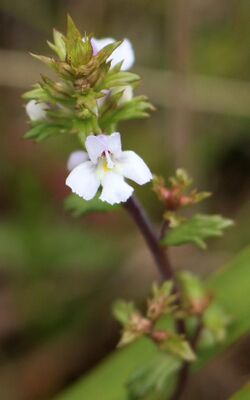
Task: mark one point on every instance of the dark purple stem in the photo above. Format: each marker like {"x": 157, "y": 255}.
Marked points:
{"x": 159, "y": 254}
{"x": 184, "y": 372}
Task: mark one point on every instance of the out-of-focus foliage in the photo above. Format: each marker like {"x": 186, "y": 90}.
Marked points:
{"x": 231, "y": 286}
{"x": 242, "y": 394}
{"x": 47, "y": 262}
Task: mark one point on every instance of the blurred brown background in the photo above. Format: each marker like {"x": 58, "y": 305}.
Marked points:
{"x": 59, "y": 276}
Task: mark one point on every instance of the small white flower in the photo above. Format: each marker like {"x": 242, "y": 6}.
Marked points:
{"x": 107, "y": 166}
{"x": 36, "y": 111}
{"x": 124, "y": 52}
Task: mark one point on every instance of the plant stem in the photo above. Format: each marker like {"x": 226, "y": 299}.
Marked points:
{"x": 159, "y": 254}
{"x": 184, "y": 372}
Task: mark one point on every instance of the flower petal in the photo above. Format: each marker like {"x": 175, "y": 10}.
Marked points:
{"x": 133, "y": 167}
{"x": 83, "y": 180}
{"x": 114, "y": 144}
{"x": 127, "y": 95}
{"x": 95, "y": 146}
{"x": 76, "y": 158}
{"x": 36, "y": 111}
{"x": 123, "y": 53}
{"x": 115, "y": 189}
{"x": 99, "y": 44}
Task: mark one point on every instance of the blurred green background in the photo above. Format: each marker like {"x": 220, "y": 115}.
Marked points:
{"x": 60, "y": 275}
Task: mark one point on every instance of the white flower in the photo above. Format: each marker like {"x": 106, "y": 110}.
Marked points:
{"x": 107, "y": 166}
{"x": 76, "y": 158}
{"x": 124, "y": 52}
{"x": 36, "y": 111}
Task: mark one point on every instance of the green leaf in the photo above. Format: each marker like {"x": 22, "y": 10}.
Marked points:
{"x": 106, "y": 52}
{"x": 107, "y": 382}
{"x": 58, "y": 46}
{"x": 135, "y": 109}
{"x": 179, "y": 347}
{"x": 37, "y": 93}
{"x": 151, "y": 381}
{"x": 43, "y": 130}
{"x": 196, "y": 230}
{"x": 123, "y": 311}
{"x": 121, "y": 78}
{"x": 193, "y": 288}
{"x": 80, "y": 207}
{"x": 216, "y": 321}
{"x": 79, "y": 51}
{"x": 243, "y": 394}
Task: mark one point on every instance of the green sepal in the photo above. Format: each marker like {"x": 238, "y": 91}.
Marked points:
{"x": 196, "y": 230}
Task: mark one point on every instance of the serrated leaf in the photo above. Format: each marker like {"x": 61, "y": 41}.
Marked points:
{"x": 123, "y": 311}
{"x": 179, "y": 347}
{"x": 150, "y": 381}
{"x": 135, "y": 109}
{"x": 43, "y": 130}
{"x": 50, "y": 62}
{"x": 80, "y": 207}
{"x": 120, "y": 78}
{"x": 37, "y": 93}
{"x": 78, "y": 51}
{"x": 106, "y": 52}
{"x": 196, "y": 230}
{"x": 59, "y": 46}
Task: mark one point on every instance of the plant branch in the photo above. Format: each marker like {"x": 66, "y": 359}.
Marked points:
{"x": 159, "y": 254}
{"x": 184, "y": 372}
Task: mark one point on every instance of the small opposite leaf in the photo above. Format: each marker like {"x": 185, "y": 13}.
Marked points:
{"x": 179, "y": 347}
{"x": 80, "y": 207}
{"x": 123, "y": 311}
{"x": 196, "y": 230}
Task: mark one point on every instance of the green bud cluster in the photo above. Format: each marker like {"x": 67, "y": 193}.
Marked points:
{"x": 80, "y": 79}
